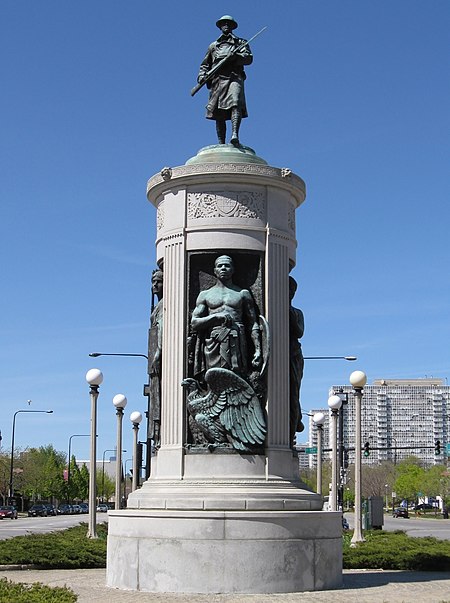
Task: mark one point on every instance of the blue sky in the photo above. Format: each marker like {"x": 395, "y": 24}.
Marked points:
{"x": 353, "y": 96}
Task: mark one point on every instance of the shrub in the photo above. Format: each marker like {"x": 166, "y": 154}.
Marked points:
{"x": 397, "y": 551}
{"x": 34, "y": 593}
{"x": 66, "y": 549}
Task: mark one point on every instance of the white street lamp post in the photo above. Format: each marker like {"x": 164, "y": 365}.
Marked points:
{"x": 119, "y": 401}
{"x": 318, "y": 419}
{"x": 95, "y": 378}
{"x": 334, "y": 404}
{"x": 358, "y": 379}
{"x": 135, "y": 419}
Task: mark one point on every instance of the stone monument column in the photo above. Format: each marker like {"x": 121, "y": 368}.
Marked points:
{"x": 222, "y": 513}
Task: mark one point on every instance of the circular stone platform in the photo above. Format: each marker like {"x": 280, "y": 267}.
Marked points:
{"x": 226, "y": 153}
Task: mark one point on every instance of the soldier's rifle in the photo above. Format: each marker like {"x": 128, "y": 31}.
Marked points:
{"x": 212, "y": 72}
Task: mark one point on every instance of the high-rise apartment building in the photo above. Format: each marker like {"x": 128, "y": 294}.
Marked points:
{"x": 400, "y": 418}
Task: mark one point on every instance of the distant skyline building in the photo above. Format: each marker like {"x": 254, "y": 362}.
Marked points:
{"x": 400, "y": 418}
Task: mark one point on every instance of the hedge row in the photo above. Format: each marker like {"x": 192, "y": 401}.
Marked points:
{"x": 397, "y": 551}
{"x": 65, "y": 549}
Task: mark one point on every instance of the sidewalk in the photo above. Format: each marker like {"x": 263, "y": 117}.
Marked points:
{"x": 360, "y": 586}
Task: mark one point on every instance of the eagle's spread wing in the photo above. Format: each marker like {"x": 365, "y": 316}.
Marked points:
{"x": 235, "y": 402}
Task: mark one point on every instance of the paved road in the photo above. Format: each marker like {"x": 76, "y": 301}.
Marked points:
{"x": 38, "y": 525}
{"x": 415, "y": 526}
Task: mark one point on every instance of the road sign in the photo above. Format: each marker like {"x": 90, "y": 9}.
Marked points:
{"x": 312, "y": 450}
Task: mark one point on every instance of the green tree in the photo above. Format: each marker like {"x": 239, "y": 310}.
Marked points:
{"x": 43, "y": 473}
{"x": 83, "y": 485}
{"x": 105, "y": 486}
{"x": 72, "y": 485}
{"x": 4, "y": 475}
{"x": 437, "y": 483}
{"x": 410, "y": 477}
{"x": 375, "y": 478}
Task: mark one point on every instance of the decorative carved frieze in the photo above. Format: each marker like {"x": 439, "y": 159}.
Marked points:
{"x": 250, "y": 205}
{"x": 291, "y": 218}
{"x": 160, "y": 216}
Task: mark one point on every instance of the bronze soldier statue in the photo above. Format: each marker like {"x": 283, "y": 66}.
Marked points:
{"x": 226, "y": 86}
{"x": 296, "y": 363}
{"x": 154, "y": 360}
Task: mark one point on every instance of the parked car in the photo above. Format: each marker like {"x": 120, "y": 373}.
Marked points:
{"x": 76, "y": 509}
{"x": 401, "y": 512}
{"x": 8, "y": 513}
{"x": 102, "y": 508}
{"x": 84, "y": 507}
{"x": 423, "y": 507}
{"x": 38, "y": 511}
{"x": 345, "y": 525}
{"x": 64, "y": 509}
{"x": 51, "y": 509}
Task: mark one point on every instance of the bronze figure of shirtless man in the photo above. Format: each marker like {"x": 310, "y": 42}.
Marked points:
{"x": 222, "y": 318}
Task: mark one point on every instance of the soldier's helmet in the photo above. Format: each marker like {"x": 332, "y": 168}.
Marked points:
{"x": 228, "y": 18}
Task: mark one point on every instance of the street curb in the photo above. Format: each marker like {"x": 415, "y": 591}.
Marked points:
{"x": 5, "y": 568}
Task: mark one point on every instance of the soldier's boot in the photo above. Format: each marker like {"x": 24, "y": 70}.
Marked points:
{"x": 235, "y": 124}
{"x": 221, "y": 129}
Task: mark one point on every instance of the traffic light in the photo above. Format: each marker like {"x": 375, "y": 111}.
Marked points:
{"x": 345, "y": 459}
{"x": 367, "y": 449}
{"x": 437, "y": 447}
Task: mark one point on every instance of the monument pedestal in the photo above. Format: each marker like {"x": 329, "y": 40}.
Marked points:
{"x": 224, "y": 551}
{"x": 212, "y": 519}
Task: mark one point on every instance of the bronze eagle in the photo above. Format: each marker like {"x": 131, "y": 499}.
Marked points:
{"x": 228, "y": 412}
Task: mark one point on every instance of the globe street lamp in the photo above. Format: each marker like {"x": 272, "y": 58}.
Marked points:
{"x": 95, "y": 378}
{"x": 75, "y": 435}
{"x": 334, "y": 404}
{"x": 358, "y": 379}
{"x": 119, "y": 402}
{"x": 11, "y": 468}
{"x": 318, "y": 419}
{"x": 135, "y": 419}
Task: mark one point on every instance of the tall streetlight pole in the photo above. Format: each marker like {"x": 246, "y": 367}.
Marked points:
{"x": 318, "y": 419}
{"x": 358, "y": 380}
{"x": 342, "y": 452}
{"x": 95, "y": 378}
{"x": 349, "y": 358}
{"x": 119, "y": 402}
{"x": 97, "y": 354}
{"x": 334, "y": 404}
{"x": 11, "y": 467}
{"x": 135, "y": 419}
{"x": 75, "y": 435}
